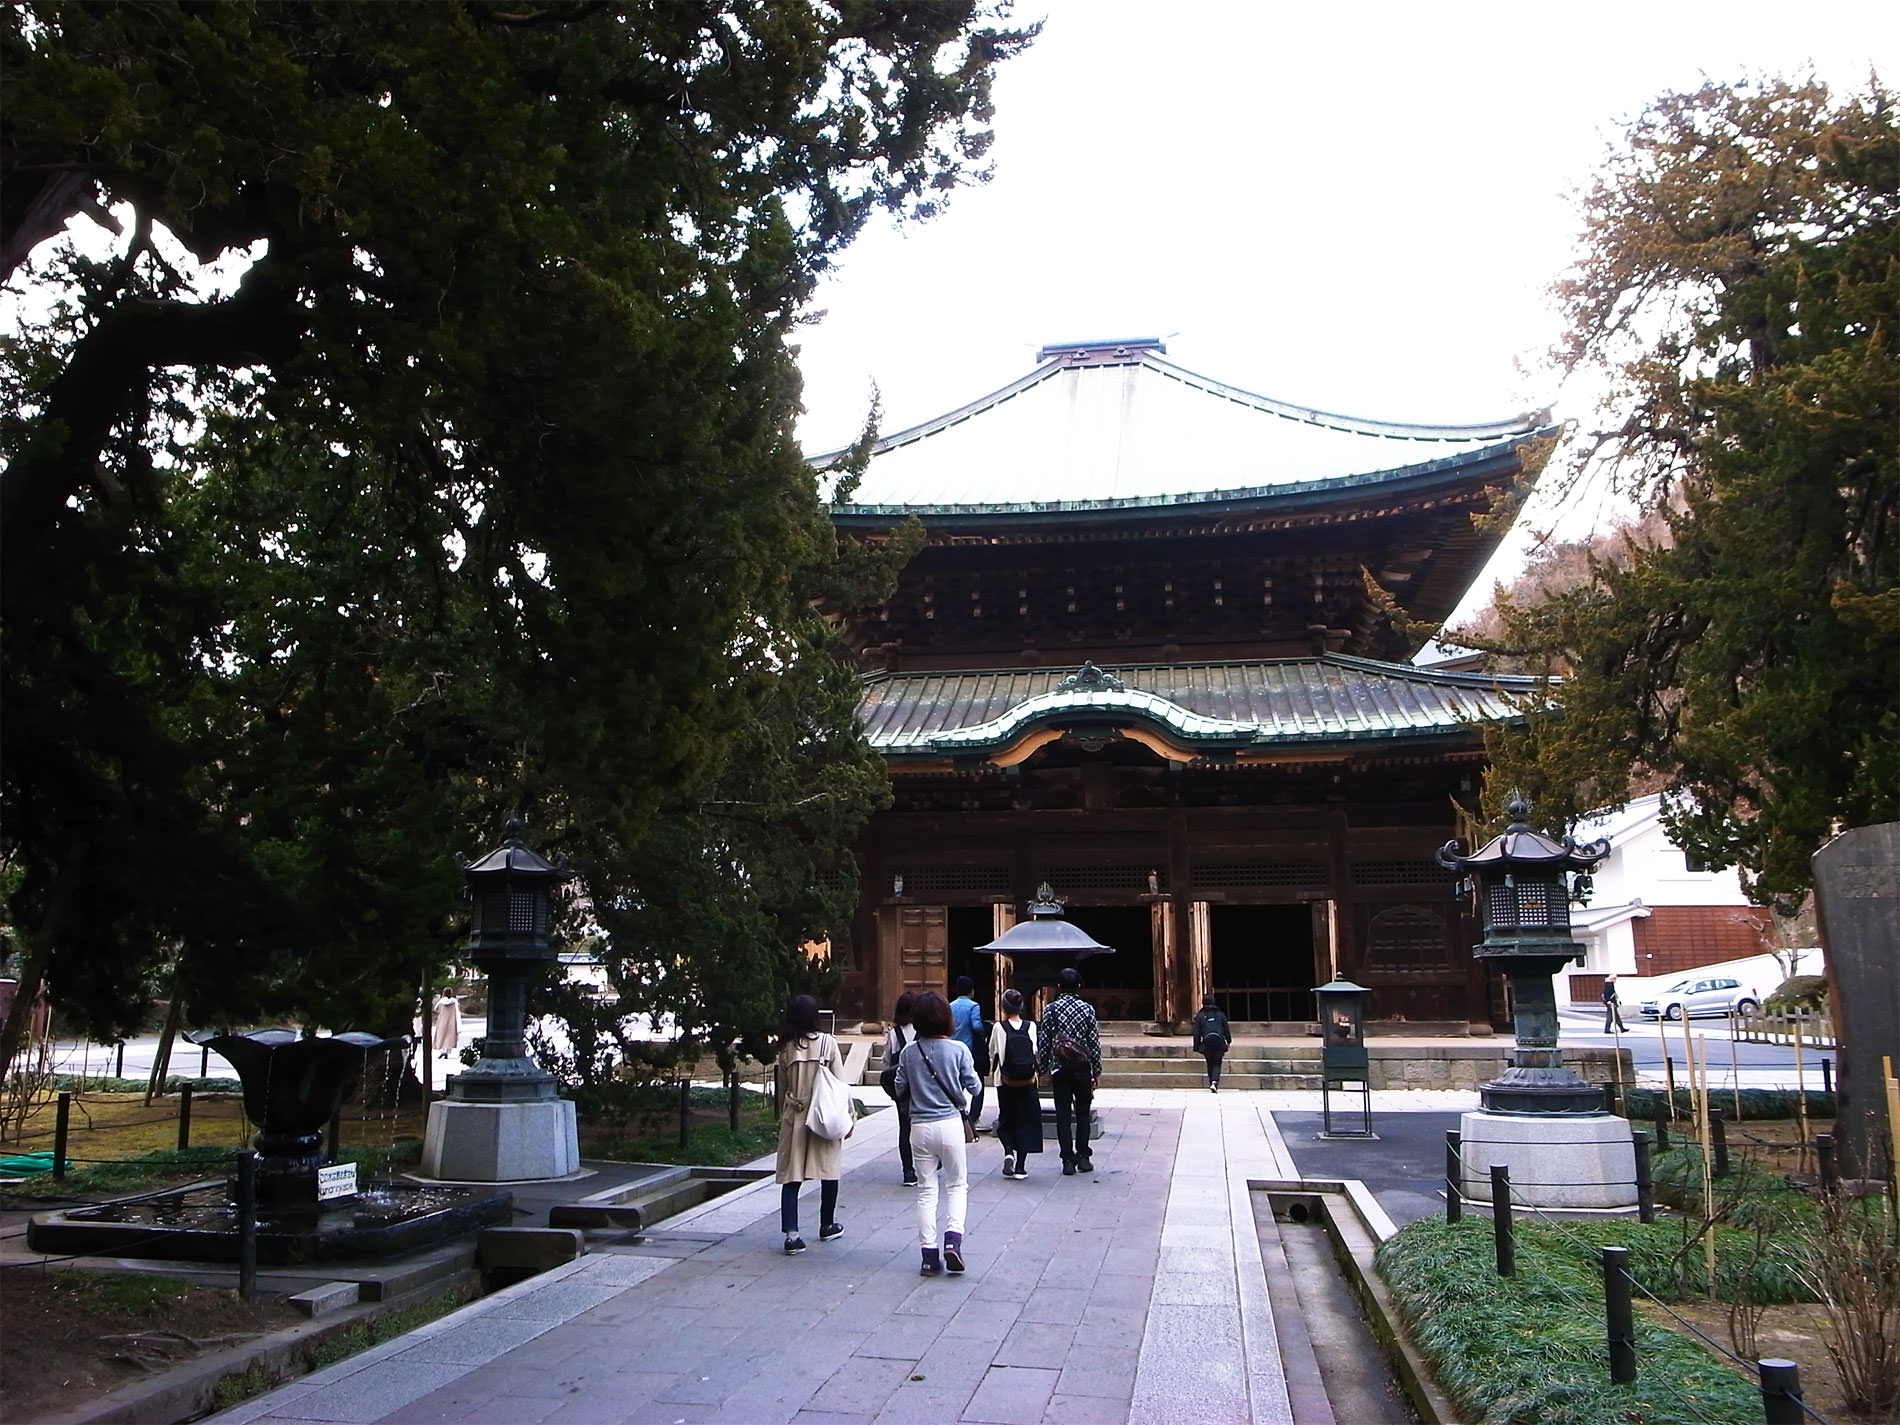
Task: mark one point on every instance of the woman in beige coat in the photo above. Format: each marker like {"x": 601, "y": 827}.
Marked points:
{"x": 802, "y": 1154}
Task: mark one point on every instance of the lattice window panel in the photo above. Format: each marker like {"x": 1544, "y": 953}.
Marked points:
{"x": 926, "y": 880}
{"x": 1406, "y": 939}
{"x": 1238, "y": 875}
{"x": 1399, "y": 873}
{"x": 1067, "y": 879}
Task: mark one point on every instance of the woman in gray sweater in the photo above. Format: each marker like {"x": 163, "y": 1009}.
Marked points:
{"x": 940, "y": 1077}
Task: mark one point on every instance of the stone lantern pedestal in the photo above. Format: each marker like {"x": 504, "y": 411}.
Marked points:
{"x": 1540, "y": 1120}
{"x": 502, "y": 1121}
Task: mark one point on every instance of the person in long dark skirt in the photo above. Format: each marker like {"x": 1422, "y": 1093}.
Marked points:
{"x": 1018, "y": 1104}
{"x": 1212, "y": 1038}
{"x": 896, "y": 1038}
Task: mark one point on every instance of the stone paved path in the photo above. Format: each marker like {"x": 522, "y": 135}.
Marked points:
{"x": 1135, "y": 1293}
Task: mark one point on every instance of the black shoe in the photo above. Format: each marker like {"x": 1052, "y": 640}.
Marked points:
{"x": 1068, "y": 1169}
{"x": 953, "y": 1260}
{"x": 1085, "y": 1165}
{"x": 794, "y": 1245}
{"x": 910, "y": 1180}
{"x": 830, "y": 1230}
{"x": 930, "y": 1268}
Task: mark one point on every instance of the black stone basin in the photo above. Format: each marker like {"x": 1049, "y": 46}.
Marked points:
{"x": 293, "y": 1084}
{"x": 199, "y": 1224}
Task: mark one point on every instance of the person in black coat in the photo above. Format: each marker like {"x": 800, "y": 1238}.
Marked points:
{"x": 1212, "y": 1038}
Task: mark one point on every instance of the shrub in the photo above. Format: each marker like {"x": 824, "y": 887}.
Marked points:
{"x": 1529, "y": 1349}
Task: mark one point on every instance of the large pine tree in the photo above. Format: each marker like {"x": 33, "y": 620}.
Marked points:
{"x": 421, "y": 448}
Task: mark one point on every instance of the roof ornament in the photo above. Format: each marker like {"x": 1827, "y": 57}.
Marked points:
{"x": 1047, "y": 902}
{"x": 1090, "y": 679}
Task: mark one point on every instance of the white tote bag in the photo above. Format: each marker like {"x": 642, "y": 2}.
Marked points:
{"x": 830, "y": 1113}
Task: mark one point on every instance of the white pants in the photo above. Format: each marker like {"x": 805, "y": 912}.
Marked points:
{"x": 939, "y": 1142}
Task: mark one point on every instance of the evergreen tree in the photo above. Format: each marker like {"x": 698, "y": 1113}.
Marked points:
{"x": 422, "y": 449}
{"x": 1741, "y": 283}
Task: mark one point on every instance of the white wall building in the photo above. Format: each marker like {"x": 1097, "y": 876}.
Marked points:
{"x": 1654, "y": 912}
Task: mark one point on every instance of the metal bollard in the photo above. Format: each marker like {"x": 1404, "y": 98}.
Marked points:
{"x": 1501, "y": 1226}
{"x": 1781, "y": 1393}
{"x": 1830, "y": 1172}
{"x": 247, "y": 1225}
{"x": 118, "y": 1062}
{"x": 1645, "y": 1180}
{"x": 62, "y": 1122}
{"x": 1718, "y": 1141}
{"x": 686, "y": 1108}
{"x": 184, "y": 1116}
{"x": 1454, "y": 1177}
{"x": 204, "y": 1061}
{"x": 1619, "y": 1320}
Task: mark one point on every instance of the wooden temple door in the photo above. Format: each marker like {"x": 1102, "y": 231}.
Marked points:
{"x": 923, "y": 948}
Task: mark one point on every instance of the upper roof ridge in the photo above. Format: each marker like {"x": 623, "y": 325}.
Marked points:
{"x": 1147, "y": 352}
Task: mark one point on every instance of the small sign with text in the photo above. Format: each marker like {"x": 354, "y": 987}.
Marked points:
{"x": 337, "y": 1180}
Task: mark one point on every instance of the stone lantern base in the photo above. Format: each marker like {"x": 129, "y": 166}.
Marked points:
{"x": 1556, "y": 1160}
{"x": 472, "y": 1142}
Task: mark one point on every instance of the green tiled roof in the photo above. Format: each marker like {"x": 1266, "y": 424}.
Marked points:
{"x": 1224, "y": 707}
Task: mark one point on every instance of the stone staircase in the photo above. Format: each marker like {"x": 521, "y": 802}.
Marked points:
{"x": 1171, "y": 1064}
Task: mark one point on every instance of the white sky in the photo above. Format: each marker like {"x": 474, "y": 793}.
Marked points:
{"x": 1353, "y": 207}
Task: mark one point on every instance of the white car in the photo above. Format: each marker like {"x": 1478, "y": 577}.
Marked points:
{"x": 1713, "y": 995}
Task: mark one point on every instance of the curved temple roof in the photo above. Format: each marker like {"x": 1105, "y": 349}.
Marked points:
{"x": 1100, "y": 425}
{"x": 1196, "y": 709}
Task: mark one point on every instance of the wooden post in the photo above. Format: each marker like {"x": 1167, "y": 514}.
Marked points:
{"x": 162, "y": 1058}
{"x": 247, "y": 1225}
{"x": 1619, "y": 1320}
{"x": 184, "y": 1117}
{"x": 686, "y": 1109}
{"x": 732, "y": 1099}
{"x": 1718, "y": 1139}
{"x": 1454, "y": 1185}
{"x": 1501, "y": 1226}
{"x": 1662, "y": 1128}
{"x": 1830, "y": 1170}
{"x": 1781, "y": 1393}
{"x": 1645, "y": 1180}
{"x": 62, "y": 1121}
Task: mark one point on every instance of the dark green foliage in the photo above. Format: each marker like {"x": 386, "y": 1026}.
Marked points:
{"x": 478, "y": 492}
{"x": 1742, "y": 284}
{"x": 1639, "y": 1104}
{"x": 1529, "y": 1349}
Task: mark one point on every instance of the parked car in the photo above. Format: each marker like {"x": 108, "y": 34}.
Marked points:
{"x": 1712, "y": 995}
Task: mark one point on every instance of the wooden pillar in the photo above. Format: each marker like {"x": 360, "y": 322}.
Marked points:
{"x": 1002, "y": 917}
{"x": 1200, "y": 951}
{"x": 1161, "y": 941}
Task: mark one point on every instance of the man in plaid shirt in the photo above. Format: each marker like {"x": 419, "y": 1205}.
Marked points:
{"x": 1069, "y": 1022}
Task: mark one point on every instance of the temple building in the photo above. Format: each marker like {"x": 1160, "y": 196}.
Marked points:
{"x": 1152, "y": 652}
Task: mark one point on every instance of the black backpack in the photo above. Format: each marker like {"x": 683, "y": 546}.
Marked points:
{"x": 1019, "y": 1057}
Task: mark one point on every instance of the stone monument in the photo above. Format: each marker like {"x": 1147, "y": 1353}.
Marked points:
{"x": 1857, "y": 900}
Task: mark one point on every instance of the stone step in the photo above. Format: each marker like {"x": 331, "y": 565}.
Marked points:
{"x": 1229, "y": 1079}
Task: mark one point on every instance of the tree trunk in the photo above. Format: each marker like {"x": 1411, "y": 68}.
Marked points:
{"x": 162, "y": 1060}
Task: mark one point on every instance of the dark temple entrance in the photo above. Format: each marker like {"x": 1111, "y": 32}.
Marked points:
{"x": 1266, "y": 961}
{"x": 1120, "y": 986}
{"x": 973, "y": 925}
